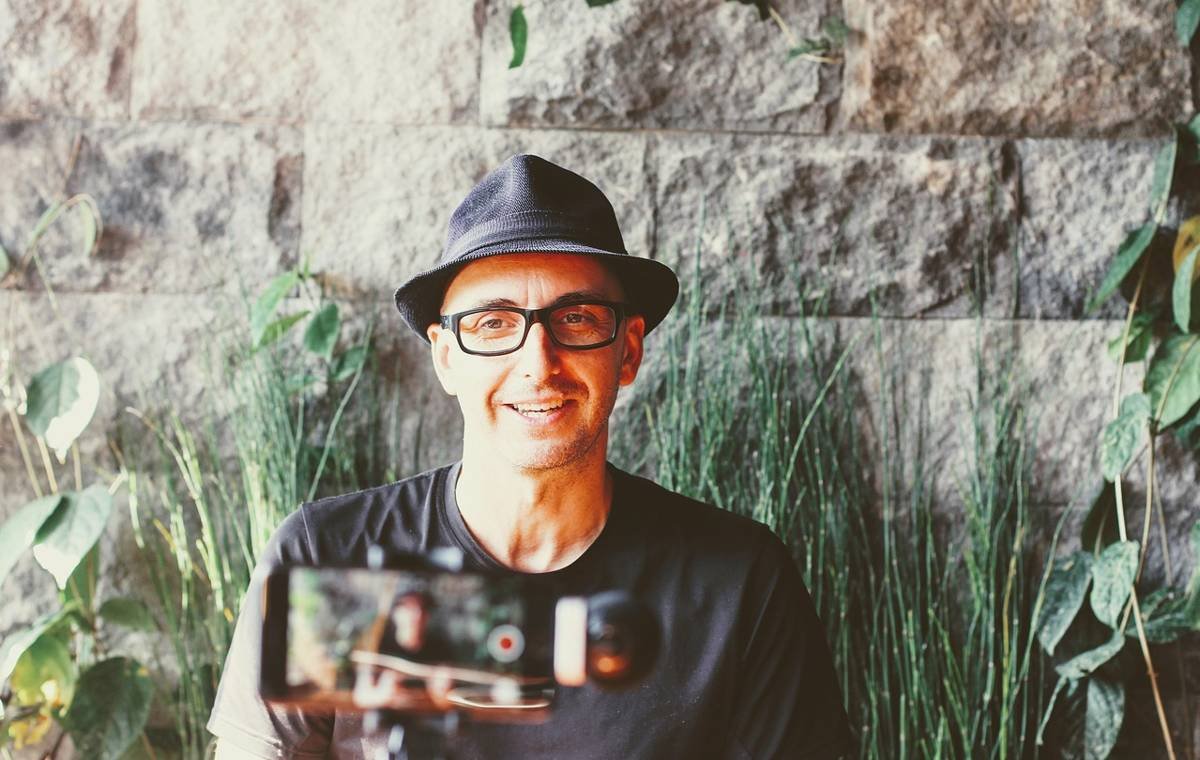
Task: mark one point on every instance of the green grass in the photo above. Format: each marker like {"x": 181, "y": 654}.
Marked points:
{"x": 927, "y": 607}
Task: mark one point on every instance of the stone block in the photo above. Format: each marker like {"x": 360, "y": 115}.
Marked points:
{"x": 903, "y": 227}
{"x": 187, "y": 208}
{"x": 377, "y": 200}
{"x": 1074, "y": 68}
{"x": 374, "y": 60}
{"x": 1079, "y": 199}
{"x": 64, "y": 58}
{"x": 679, "y": 64}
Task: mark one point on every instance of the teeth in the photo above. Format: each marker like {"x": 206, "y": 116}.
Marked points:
{"x": 544, "y": 406}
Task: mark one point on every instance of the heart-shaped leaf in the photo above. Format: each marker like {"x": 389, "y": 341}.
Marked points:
{"x": 61, "y": 401}
{"x": 322, "y": 333}
{"x": 1164, "y": 175}
{"x": 71, "y": 531}
{"x": 1173, "y": 379}
{"x": 1138, "y": 342}
{"x": 349, "y": 363}
{"x": 518, "y": 31}
{"x": 279, "y": 328}
{"x": 126, "y": 612}
{"x": 1112, "y": 580}
{"x": 1105, "y": 713}
{"x": 1082, "y": 664}
{"x": 1181, "y": 291}
{"x": 1121, "y": 436}
{"x": 1128, "y": 255}
{"x": 1187, "y": 17}
{"x": 19, "y": 531}
{"x": 45, "y": 671}
{"x": 16, "y": 643}
{"x": 112, "y": 702}
{"x": 1066, "y": 588}
{"x": 263, "y": 312}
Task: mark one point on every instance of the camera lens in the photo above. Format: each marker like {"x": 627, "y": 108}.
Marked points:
{"x": 622, "y": 639}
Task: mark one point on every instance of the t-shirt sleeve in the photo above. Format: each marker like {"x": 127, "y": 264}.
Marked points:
{"x": 788, "y": 703}
{"x": 240, "y": 717}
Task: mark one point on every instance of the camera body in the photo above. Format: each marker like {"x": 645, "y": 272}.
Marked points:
{"x": 416, "y": 638}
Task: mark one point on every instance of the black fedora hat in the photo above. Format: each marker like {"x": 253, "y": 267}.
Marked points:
{"x": 530, "y": 205}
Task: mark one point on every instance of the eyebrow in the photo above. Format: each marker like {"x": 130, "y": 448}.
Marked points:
{"x": 575, "y": 296}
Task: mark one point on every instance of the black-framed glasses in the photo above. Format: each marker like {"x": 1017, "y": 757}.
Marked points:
{"x": 497, "y": 330}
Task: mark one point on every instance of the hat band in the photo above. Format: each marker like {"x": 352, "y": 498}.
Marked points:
{"x": 531, "y": 225}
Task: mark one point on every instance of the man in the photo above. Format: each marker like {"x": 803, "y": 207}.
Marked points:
{"x": 535, "y": 316}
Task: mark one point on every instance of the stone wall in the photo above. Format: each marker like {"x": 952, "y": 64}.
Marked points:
{"x": 948, "y": 144}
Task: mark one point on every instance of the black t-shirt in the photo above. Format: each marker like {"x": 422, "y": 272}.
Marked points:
{"x": 744, "y": 670}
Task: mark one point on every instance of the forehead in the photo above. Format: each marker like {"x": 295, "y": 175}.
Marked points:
{"x": 531, "y": 280}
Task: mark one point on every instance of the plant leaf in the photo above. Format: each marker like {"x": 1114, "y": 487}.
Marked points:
{"x": 16, "y": 643}
{"x": 1112, "y": 580}
{"x": 81, "y": 586}
{"x": 61, "y": 401}
{"x": 1105, "y": 712}
{"x": 1164, "y": 173}
{"x": 348, "y": 363}
{"x": 322, "y": 332}
{"x": 518, "y": 31}
{"x": 1187, "y": 17}
{"x": 47, "y": 659}
{"x": 1066, "y": 588}
{"x": 1164, "y": 616}
{"x": 1082, "y": 664}
{"x": 1140, "y": 334}
{"x": 263, "y": 311}
{"x": 1128, "y": 254}
{"x": 1121, "y": 436}
{"x": 129, "y": 613}
{"x": 1181, "y": 291}
{"x": 1099, "y": 525}
{"x": 112, "y": 702}
{"x": 71, "y": 531}
{"x": 1173, "y": 379}
{"x": 88, "y": 227}
{"x": 18, "y": 532}
{"x": 277, "y": 329}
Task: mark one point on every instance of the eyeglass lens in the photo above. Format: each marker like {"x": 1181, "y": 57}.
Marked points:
{"x": 577, "y": 325}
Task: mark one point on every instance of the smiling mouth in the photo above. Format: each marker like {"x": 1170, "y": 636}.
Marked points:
{"x": 538, "y": 408}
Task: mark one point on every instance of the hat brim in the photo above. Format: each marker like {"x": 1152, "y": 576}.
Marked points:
{"x": 651, "y": 287}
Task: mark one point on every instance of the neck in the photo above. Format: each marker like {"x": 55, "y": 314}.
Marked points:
{"x": 534, "y": 520}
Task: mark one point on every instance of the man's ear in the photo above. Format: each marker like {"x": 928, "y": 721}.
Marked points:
{"x": 631, "y": 358}
{"x": 441, "y": 343}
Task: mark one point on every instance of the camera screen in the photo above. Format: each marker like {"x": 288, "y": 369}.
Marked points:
{"x": 372, "y": 638}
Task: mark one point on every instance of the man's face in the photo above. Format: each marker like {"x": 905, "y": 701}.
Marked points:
{"x": 541, "y": 406}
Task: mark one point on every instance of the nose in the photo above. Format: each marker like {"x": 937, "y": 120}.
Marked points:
{"x": 538, "y": 357}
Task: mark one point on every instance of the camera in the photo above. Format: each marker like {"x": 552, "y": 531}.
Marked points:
{"x": 419, "y": 638}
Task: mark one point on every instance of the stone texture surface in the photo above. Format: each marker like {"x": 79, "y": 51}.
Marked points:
{"x": 904, "y": 224}
{"x": 61, "y": 57}
{"x": 377, "y": 200}
{"x": 370, "y": 60}
{"x": 1079, "y": 199}
{"x": 1081, "y": 67}
{"x": 682, "y": 64}
{"x": 187, "y": 208}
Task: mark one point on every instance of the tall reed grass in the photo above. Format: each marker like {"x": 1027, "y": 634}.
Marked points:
{"x": 928, "y": 606}
{"x": 206, "y": 496}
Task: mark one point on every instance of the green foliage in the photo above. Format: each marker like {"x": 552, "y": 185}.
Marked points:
{"x": 61, "y": 400}
{"x": 1141, "y": 333}
{"x": 112, "y": 702}
{"x": 1173, "y": 379}
{"x": 1121, "y": 436}
{"x": 128, "y": 613}
{"x": 18, "y": 532}
{"x": 1181, "y": 293}
{"x": 71, "y": 531}
{"x": 1112, "y": 580}
{"x": 1066, "y": 588}
{"x": 1128, "y": 255}
{"x": 518, "y": 31}
{"x": 1105, "y": 713}
{"x": 322, "y": 333}
{"x": 1187, "y": 18}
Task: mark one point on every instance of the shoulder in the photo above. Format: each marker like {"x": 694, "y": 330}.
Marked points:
{"x": 674, "y": 519}
{"x": 341, "y": 528}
